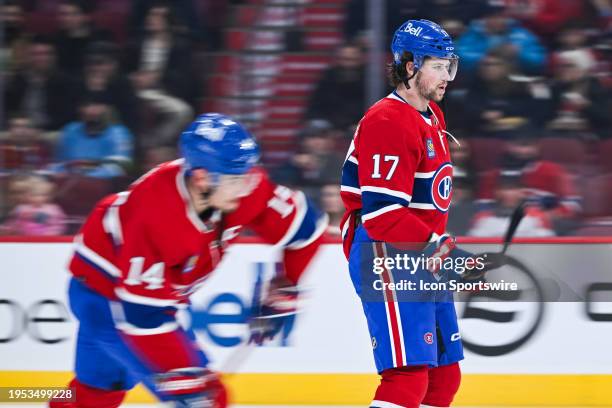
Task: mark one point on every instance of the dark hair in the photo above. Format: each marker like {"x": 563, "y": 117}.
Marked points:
{"x": 397, "y": 74}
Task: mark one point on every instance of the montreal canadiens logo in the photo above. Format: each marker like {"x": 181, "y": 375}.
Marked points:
{"x": 442, "y": 187}
{"x": 428, "y": 337}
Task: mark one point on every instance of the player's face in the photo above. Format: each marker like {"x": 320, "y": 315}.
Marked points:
{"x": 228, "y": 192}
{"x": 432, "y": 78}
{"x": 223, "y": 192}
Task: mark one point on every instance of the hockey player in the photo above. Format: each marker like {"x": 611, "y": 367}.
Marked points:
{"x": 396, "y": 187}
{"x": 142, "y": 252}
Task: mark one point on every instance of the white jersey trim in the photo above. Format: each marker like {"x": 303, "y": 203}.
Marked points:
{"x": 422, "y": 206}
{"x": 95, "y": 258}
{"x": 397, "y": 98}
{"x": 388, "y": 191}
{"x": 353, "y": 159}
{"x": 346, "y": 226}
{"x": 424, "y": 175}
{"x": 139, "y": 331}
{"x": 143, "y": 300}
{"x": 189, "y": 208}
{"x": 322, "y": 224}
{"x": 369, "y": 216}
{"x": 300, "y": 212}
{"x": 112, "y": 221}
{"x": 348, "y": 189}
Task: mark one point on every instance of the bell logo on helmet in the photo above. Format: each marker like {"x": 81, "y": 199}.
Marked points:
{"x": 211, "y": 133}
{"x": 247, "y": 144}
{"x": 416, "y": 31}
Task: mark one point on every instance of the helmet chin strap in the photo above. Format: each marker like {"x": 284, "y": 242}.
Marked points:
{"x": 408, "y": 78}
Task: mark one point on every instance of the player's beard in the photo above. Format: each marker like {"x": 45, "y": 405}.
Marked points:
{"x": 429, "y": 94}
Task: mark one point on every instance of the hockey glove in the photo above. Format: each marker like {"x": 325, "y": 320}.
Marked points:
{"x": 472, "y": 266}
{"x": 275, "y": 311}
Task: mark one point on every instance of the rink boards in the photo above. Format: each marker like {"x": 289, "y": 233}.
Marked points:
{"x": 520, "y": 353}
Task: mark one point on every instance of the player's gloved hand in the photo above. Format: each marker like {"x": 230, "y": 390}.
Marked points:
{"x": 473, "y": 266}
{"x": 276, "y": 309}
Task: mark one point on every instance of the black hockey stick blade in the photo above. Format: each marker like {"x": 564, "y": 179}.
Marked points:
{"x": 515, "y": 220}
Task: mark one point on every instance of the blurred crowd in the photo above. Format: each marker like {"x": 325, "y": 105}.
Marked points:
{"x": 89, "y": 103}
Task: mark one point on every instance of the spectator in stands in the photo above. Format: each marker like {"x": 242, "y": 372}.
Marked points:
{"x": 463, "y": 195}
{"x": 331, "y": 203}
{"x": 169, "y": 114}
{"x": 547, "y": 17}
{"x": 75, "y": 35}
{"x": 548, "y": 184}
{"x": 14, "y": 39}
{"x": 16, "y": 189}
{"x": 494, "y": 221}
{"x": 94, "y": 146}
{"x": 316, "y": 163}
{"x": 23, "y": 148}
{"x": 495, "y": 96}
{"x": 398, "y": 11}
{"x": 496, "y": 29}
{"x": 580, "y": 102}
{"x": 38, "y": 215}
{"x": 43, "y": 93}
{"x": 102, "y": 74}
{"x": 163, "y": 56}
{"x": 339, "y": 96}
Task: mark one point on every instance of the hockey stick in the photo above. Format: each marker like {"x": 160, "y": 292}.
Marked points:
{"x": 515, "y": 220}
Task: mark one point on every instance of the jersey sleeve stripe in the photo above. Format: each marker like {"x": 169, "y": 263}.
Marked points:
{"x": 353, "y": 159}
{"x": 384, "y": 210}
{"x": 144, "y": 300}
{"x": 422, "y": 206}
{"x": 95, "y": 259}
{"x": 424, "y": 175}
{"x": 350, "y": 176}
{"x": 111, "y": 220}
{"x": 387, "y": 191}
{"x": 139, "y": 331}
{"x": 375, "y": 201}
{"x": 301, "y": 207}
{"x": 346, "y": 225}
{"x": 349, "y": 189}
{"x": 321, "y": 226}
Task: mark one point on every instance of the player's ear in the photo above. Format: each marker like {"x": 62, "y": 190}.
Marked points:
{"x": 410, "y": 68}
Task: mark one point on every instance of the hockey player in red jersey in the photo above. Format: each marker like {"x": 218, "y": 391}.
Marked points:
{"x": 396, "y": 187}
{"x": 142, "y": 252}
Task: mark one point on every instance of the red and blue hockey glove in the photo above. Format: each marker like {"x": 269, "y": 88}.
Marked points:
{"x": 274, "y": 312}
{"x": 465, "y": 265}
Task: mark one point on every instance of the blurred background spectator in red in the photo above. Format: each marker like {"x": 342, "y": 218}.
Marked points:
{"x": 547, "y": 185}
{"x": 494, "y": 221}
{"x": 23, "y": 148}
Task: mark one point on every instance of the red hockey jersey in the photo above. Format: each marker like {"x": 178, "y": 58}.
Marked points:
{"x": 397, "y": 175}
{"x": 148, "y": 245}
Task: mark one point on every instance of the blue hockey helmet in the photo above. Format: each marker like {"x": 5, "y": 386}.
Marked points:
{"x": 218, "y": 144}
{"x": 424, "y": 38}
